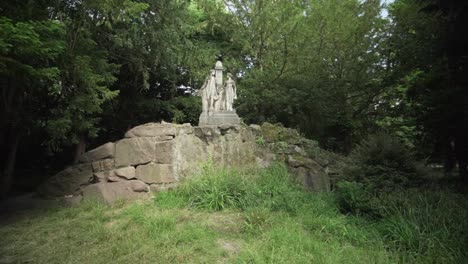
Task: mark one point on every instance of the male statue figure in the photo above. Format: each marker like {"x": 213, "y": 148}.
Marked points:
{"x": 208, "y": 93}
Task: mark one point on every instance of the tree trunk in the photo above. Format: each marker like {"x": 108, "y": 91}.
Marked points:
{"x": 10, "y": 163}
{"x": 80, "y": 148}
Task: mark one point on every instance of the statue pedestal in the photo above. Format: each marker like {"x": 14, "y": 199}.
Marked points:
{"x": 219, "y": 118}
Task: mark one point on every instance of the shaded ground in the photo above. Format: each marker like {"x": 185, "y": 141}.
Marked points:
{"x": 17, "y": 207}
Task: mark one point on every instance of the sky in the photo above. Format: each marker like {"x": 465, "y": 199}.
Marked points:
{"x": 385, "y": 12}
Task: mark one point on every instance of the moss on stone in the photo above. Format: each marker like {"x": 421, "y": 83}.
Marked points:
{"x": 277, "y": 133}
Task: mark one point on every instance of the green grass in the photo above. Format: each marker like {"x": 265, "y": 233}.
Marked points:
{"x": 240, "y": 216}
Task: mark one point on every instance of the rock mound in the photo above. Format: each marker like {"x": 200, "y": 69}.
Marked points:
{"x": 155, "y": 156}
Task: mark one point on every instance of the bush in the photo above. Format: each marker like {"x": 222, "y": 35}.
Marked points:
{"x": 383, "y": 163}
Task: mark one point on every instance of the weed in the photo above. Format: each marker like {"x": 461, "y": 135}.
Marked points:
{"x": 256, "y": 220}
{"x": 260, "y": 141}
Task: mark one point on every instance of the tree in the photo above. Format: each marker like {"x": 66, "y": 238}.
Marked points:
{"x": 315, "y": 65}
{"x": 427, "y": 41}
{"x": 29, "y": 76}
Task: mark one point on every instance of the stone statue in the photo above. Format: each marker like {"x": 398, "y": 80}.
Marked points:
{"x": 221, "y": 98}
{"x": 209, "y": 93}
{"x": 230, "y": 93}
{"x": 218, "y": 98}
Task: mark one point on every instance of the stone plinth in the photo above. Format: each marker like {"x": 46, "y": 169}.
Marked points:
{"x": 219, "y": 118}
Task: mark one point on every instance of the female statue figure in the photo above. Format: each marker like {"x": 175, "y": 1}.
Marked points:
{"x": 230, "y": 93}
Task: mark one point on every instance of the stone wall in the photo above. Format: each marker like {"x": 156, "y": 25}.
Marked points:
{"x": 151, "y": 157}
{"x": 155, "y": 156}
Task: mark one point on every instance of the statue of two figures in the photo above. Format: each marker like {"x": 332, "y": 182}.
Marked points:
{"x": 218, "y": 98}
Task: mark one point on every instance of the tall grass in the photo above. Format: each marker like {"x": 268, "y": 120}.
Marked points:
{"x": 427, "y": 224}
{"x": 219, "y": 188}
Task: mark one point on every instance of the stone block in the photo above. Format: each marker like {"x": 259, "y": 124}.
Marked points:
{"x": 102, "y": 175}
{"x": 134, "y": 151}
{"x": 125, "y": 172}
{"x": 152, "y": 130}
{"x": 103, "y": 165}
{"x": 209, "y": 134}
{"x": 110, "y": 192}
{"x": 155, "y": 173}
{"x": 164, "y": 152}
{"x": 105, "y": 151}
{"x": 313, "y": 179}
{"x": 114, "y": 179}
{"x": 184, "y": 129}
{"x": 139, "y": 186}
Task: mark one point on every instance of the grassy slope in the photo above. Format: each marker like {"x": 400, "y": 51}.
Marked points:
{"x": 248, "y": 216}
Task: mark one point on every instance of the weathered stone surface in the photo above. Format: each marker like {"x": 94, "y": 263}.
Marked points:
{"x": 184, "y": 129}
{"x": 162, "y": 160}
{"x": 139, "y": 186}
{"x": 125, "y": 172}
{"x": 111, "y": 192}
{"x": 247, "y": 135}
{"x": 219, "y": 118}
{"x": 114, "y": 179}
{"x": 314, "y": 179}
{"x": 155, "y": 173}
{"x": 72, "y": 200}
{"x": 207, "y": 133}
{"x": 152, "y": 130}
{"x": 255, "y": 127}
{"x": 105, "y": 151}
{"x": 103, "y": 165}
{"x": 294, "y": 162}
{"x": 164, "y": 152}
{"x": 68, "y": 181}
{"x": 134, "y": 151}
{"x": 266, "y": 160}
{"x": 101, "y": 176}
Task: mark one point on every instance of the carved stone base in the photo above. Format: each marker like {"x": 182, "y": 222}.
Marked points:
{"x": 219, "y": 118}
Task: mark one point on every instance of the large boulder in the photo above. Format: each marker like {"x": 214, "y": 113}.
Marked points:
{"x": 103, "y": 165}
{"x": 155, "y": 173}
{"x": 110, "y": 192}
{"x": 164, "y": 152}
{"x": 309, "y": 173}
{"x": 69, "y": 181}
{"x": 124, "y": 173}
{"x": 105, "y": 151}
{"x": 135, "y": 151}
{"x": 153, "y": 130}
